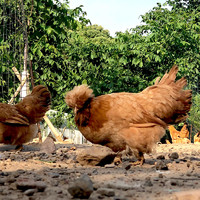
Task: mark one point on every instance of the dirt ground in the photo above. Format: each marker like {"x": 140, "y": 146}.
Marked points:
{"x": 33, "y": 175}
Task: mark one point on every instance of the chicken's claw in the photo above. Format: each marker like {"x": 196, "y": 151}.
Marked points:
{"x": 140, "y": 160}
{"x": 19, "y": 148}
{"x": 117, "y": 160}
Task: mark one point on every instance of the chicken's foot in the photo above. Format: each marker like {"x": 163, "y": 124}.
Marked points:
{"x": 140, "y": 161}
{"x": 117, "y": 160}
{"x": 18, "y": 148}
{"x": 120, "y": 154}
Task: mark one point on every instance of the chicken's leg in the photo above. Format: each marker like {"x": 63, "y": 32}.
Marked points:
{"x": 118, "y": 159}
{"x": 126, "y": 152}
{"x": 19, "y": 147}
{"x": 140, "y": 157}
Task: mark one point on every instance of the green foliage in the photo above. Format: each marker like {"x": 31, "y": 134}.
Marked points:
{"x": 10, "y": 37}
{"x": 194, "y": 115}
{"x": 91, "y": 59}
{"x": 169, "y": 37}
{"x": 60, "y": 120}
{"x": 49, "y": 32}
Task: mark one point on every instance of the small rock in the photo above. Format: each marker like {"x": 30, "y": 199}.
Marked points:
{"x": 53, "y": 160}
{"x": 189, "y": 173}
{"x": 41, "y": 186}
{"x": 177, "y": 160}
{"x": 4, "y": 174}
{"x": 156, "y": 179}
{"x": 120, "y": 185}
{"x": 2, "y": 156}
{"x": 120, "y": 198}
{"x": 198, "y": 164}
{"x": 189, "y": 163}
{"x": 81, "y": 188}
{"x": 30, "y": 192}
{"x": 2, "y": 181}
{"x": 192, "y": 168}
{"x": 112, "y": 165}
{"x": 189, "y": 195}
{"x": 176, "y": 183}
{"x": 194, "y": 153}
{"x": 96, "y": 186}
{"x": 160, "y": 176}
{"x": 54, "y": 175}
{"x": 55, "y": 183}
{"x": 12, "y": 157}
{"x": 126, "y": 165}
{"x": 15, "y": 174}
{"x": 6, "y": 192}
{"x": 173, "y": 156}
{"x": 161, "y": 165}
{"x": 26, "y": 184}
{"x": 95, "y": 171}
{"x": 161, "y": 157}
{"x": 106, "y": 192}
{"x": 11, "y": 180}
{"x": 48, "y": 146}
{"x": 95, "y": 155}
{"x": 173, "y": 182}
{"x": 148, "y": 182}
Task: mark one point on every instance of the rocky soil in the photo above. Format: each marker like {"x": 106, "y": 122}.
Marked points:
{"x": 67, "y": 171}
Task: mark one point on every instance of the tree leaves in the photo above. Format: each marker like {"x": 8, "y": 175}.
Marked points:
{"x": 194, "y": 116}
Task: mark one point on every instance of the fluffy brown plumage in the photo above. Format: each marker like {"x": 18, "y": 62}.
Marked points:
{"x": 137, "y": 121}
{"x": 18, "y": 122}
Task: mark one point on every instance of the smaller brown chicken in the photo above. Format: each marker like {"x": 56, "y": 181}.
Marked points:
{"x": 197, "y": 138}
{"x": 173, "y": 133}
{"x": 179, "y": 136}
{"x": 18, "y": 122}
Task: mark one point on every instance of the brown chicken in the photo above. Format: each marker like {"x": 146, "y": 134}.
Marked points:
{"x": 179, "y": 136}
{"x": 173, "y": 133}
{"x": 136, "y": 121}
{"x": 197, "y": 138}
{"x": 18, "y": 122}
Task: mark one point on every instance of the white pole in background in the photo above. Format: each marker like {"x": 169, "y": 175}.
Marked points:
{"x": 24, "y": 74}
{"x": 23, "y": 92}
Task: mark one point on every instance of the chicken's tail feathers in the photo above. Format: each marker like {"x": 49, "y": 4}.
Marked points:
{"x": 169, "y": 77}
{"x": 43, "y": 93}
{"x": 35, "y": 105}
{"x": 77, "y": 97}
{"x": 186, "y": 103}
{"x": 183, "y": 97}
